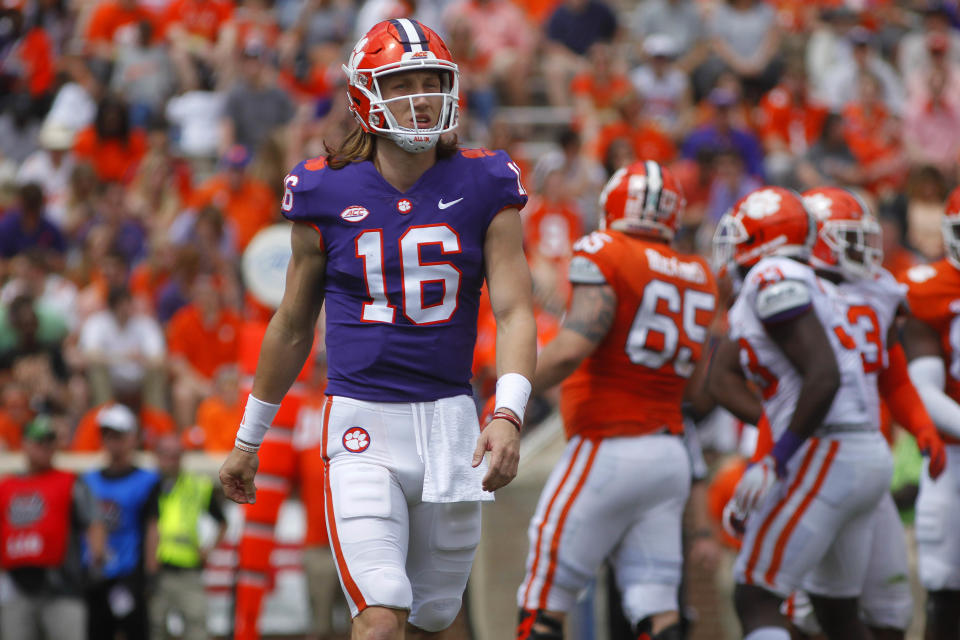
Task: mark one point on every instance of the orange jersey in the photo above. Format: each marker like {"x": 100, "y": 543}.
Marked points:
{"x": 934, "y": 298}
{"x": 633, "y": 382}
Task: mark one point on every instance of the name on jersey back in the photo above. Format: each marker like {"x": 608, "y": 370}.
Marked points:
{"x": 674, "y": 268}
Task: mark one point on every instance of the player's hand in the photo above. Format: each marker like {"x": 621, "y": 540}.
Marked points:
{"x": 732, "y": 520}
{"x": 753, "y": 487}
{"x": 931, "y": 445}
{"x": 502, "y": 440}
{"x": 237, "y": 474}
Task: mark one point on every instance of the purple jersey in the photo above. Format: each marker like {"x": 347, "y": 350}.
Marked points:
{"x": 404, "y": 270}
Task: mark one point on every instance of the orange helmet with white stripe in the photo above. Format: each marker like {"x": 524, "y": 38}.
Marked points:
{"x": 393, "y": 46}
{"x": 643, "y": 198}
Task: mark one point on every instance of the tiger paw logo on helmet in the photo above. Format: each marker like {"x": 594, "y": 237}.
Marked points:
{"x": 356, "y": 440}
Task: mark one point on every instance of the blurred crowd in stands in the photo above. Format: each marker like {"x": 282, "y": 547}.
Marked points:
{"x": 143, "y": 143}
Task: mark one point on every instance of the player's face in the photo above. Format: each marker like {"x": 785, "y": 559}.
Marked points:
{"x": 425, "y": 109}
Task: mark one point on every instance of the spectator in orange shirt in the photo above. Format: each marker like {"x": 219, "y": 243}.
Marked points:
{"x": 218, "y": 415}
{"x": 201, "y": 337}
{"x": 194, "y": 29}
{"x": 598, "y": 88}
{"x": 114, "y": 22}
{"x": 246, "y": 202}
{"x": 111, "y": 145}
{"x": 790, "y": 122}
{"x": 873, "y": 134}
{"x": 648, "y": 141}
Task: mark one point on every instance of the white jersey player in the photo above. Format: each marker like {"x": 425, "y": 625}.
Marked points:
{"x": 810, "y": 501}
{"x": 848, "y": 253}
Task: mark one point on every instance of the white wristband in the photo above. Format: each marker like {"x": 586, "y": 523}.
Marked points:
{"x": 513, "y": 391}
{"x": 257, "y": 417}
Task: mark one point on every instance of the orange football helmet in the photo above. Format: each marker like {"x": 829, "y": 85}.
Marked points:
{"x": 766, "y": 222}
{"x": 848, "y": 236}
{"x": 951, "y": 228}
{"x": 393, "y": 46}
{"x": 643, "y": 198}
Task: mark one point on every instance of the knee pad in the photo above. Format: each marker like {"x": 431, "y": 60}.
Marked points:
{"x": 385, "y": 587}
{"x": 550, "y": 628}
{"x": 435, "y": 615}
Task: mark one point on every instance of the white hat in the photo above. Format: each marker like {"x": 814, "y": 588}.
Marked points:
{"x": 117, "y": 417}
{"x": 55, "y": 136}
{"x": 660, "y": 45}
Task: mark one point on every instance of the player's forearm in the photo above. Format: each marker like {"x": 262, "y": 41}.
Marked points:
{"x": 517, "y": 342}
{"x": 817, "y": 393}
{"x": 558, "y": 360}
{"x": 285, "y": 348}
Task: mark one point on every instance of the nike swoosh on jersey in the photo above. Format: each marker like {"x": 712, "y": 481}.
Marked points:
{"x": 444, "y": 205}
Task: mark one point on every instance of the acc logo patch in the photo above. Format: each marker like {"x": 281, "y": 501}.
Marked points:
{"x": 356, "y": 213}
{"x": 404, "y": 206}
{"x": 356, "y": 440}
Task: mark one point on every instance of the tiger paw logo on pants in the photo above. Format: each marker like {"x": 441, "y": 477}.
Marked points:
{"x": 356, "y": 440}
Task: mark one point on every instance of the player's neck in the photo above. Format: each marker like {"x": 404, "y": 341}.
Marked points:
{"x": 401, "y": 168}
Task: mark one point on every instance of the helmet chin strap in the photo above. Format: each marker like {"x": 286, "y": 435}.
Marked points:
{"x": 414, "y": 142}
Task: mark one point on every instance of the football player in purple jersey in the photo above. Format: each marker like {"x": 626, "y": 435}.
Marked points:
{"x": 395, "y": 231}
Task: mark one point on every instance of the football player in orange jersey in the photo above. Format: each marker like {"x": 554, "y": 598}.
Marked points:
{"x": 932, "y": 341}
{"x": 631, "y": 338}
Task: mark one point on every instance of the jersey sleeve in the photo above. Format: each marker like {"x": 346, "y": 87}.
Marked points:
{"x": 299, "y": 193}
{"x": 505, "y": 188}
{"x": 921, "y": 292}
{"x": 779, "y": 289}
{"x": 593, "y": 261}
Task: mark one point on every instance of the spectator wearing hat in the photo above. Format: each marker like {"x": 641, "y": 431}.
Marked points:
{"x": 664, "y": 86}
{"x": 256, "y": 107}
{"x": 51, "y": 166}
{"x": 680, "y": 20}
{"x": 722, "y": 133}
{"x": 841, "y": 83}
{"x": 246, "y": 202}
{"x": 176, "y": 569}
{"x": 127, "y": 495}
{"x": 27, "y": 226}
{"x": 45, "y": 515}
